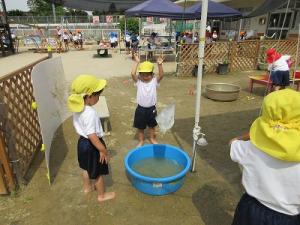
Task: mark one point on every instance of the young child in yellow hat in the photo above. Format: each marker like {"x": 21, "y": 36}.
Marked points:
{"x": 146, "y": 83}
{"x": 270, "y": 161}
{"x": 92, "y": 154}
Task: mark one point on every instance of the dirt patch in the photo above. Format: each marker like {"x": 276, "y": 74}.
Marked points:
{"x": 208, "y": 196}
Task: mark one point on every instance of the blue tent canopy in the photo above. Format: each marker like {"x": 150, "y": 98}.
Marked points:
{"x": 215, "y": 10}
{"x": 159, "y": 8}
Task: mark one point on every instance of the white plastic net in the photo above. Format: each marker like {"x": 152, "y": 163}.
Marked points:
{"x": 165, "y": 118}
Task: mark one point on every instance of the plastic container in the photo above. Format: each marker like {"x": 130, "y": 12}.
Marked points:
{"x": 151, "y": 185}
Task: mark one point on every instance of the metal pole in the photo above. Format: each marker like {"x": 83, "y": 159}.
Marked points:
{"x": 297, "y": 54}
{"x": 53, "y": 11}
{"x": 199, "y": 76}
{"x": 240, "y": 28}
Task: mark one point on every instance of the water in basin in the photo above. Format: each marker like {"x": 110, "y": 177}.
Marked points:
{"x": 157, "y": 167}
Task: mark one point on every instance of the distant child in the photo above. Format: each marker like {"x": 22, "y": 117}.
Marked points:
{"x": 270, "y": 161}
{"x": 279, "y": 68}
{"x": 146, "y": 83}
{"x": 92, "y": 155}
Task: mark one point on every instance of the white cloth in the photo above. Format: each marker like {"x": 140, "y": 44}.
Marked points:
{"x": 65, "y": 37}
{"x": 127, "y": 38}
{"x": 274, "y": 183}
{"x": 146, "y": 92}
{"x": 280, "y": 64}
{"x": 87, "y": 122}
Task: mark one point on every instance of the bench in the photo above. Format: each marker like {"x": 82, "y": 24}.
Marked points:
{"x": 102, "y": 109}
{"x": 264, "y": 80}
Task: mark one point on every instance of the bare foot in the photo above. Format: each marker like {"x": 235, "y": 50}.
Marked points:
{"x": 106, "y": 196}
{"x": 153, "y": 141}
{"x": 140, "y": 144}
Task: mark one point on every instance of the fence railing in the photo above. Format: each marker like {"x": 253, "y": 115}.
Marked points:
{"x": 20, "y": 135}
{"x": 245, "y": 55}
{"x": 61, "y": 19}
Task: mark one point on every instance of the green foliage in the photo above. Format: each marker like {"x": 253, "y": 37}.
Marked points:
{"x": 16, "y": 12}
{"x": 131, "y": 23}
{"x": 44, "y": 8}
{"x": 96, "y": 13}
{"x": 74, "y": 12}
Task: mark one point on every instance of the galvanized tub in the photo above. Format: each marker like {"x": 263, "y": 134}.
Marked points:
{"x": 222, "y": 92}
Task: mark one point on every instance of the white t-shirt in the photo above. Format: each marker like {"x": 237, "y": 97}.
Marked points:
{"x": 87, "y": 122}
{"x": 146, "y": 92}
{"x": 280, "y": 64}
{"x": 274, "y": 183}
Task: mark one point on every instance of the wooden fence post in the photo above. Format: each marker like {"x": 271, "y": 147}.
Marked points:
{"x": 7, "y": 168}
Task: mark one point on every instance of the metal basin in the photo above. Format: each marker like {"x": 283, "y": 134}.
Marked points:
{"x": 222, "y": 92}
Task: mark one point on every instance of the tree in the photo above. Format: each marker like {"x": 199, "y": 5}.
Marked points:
{"x": 16, "y": 12}
{"x": 132, "y": 25}
{"x": 96, "y": 13}
{"x": 112, "y": 8}
{"x": 44, "y": 8}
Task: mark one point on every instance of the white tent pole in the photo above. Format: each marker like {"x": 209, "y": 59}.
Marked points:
{"x": 197, "y": 129}
{"x": 240, "y": 28}
{"x": 125, "y": 29}
{"x": 296, "y": 60}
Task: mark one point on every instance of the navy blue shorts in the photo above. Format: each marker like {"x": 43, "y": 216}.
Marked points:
{"x": 89, "y": 158}
{"x": 144, "y": 117}
{"x": 280, "y": 78}
{"x": 251, "y": 212}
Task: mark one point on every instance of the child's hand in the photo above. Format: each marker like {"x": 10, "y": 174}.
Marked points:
{"x": 136, "y": 58}
{"x": 104, "y": 157}
{"x": 160, "y": 60}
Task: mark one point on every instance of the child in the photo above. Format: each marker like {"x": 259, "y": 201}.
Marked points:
{"x": 279, "y": 69}
{"x": 270, "y": 163}
{"x": 146, "y": 83}
{"x": 91, "y": 149}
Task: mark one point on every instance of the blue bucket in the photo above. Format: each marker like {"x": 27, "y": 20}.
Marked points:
{"x": 152, "y": 185}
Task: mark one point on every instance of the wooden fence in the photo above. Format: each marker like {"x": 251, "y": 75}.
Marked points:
{"x": 20, "y": 135}
{"x": 241, "y": 55}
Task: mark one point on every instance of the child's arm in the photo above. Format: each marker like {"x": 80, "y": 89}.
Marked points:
{"x": 160, "y": 61}
{"x": 134, "y": 67}
{"x": 244, "y": 137}
{"x": 100, "y": 147}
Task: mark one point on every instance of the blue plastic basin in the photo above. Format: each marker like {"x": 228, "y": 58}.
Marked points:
{"x": 151, "y": 185}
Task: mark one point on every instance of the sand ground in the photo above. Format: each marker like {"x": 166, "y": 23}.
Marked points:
{"x": 208, "y": 196}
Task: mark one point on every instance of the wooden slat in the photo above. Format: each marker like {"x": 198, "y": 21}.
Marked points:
{"x": 6, "y": 165}
{"x": 3, "y": 189}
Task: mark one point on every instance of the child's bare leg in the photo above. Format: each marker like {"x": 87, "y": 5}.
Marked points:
{"x": 277, "y": 88}
{"x": 102, "y": 195}
{"x": 141, "y": 137}
{"x": 87, "y": 184}
{"x": 152, "y": 136}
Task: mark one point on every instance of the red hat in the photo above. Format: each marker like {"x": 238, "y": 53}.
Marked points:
{"x": 272, "y": 55}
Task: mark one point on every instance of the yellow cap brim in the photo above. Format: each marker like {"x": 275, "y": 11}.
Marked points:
{"x": 101, "y": 85}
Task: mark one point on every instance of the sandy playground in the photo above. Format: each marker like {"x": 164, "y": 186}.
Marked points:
{"x": 208, "y": 196}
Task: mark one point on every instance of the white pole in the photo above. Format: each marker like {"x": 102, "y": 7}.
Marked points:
{"x": 197, "y": 129}
{"x": 240, "y": 28}
{"x": 296, "y": 60}
{"x": 54, "y": 14}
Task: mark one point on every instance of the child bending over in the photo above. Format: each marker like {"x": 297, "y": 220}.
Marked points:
{"x": 92, "y": 154}
{"x": 146, "y": 83}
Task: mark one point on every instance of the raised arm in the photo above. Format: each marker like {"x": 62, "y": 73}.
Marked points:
{"x": 160, "y": 61}
{"x": 134, "y": 67}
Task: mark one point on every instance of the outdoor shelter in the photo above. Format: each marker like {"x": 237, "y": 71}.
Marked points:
{"x": 215, "y": 10}
{"x": 159, "y": 8}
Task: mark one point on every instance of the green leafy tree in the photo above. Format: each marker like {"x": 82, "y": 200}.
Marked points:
{"x": 44, "y": 8}
{"x": 112, "y": 8}
{"x": 96, "y": 13}
{"x": 16, "y": 12}
{"x": 132, "y": 25}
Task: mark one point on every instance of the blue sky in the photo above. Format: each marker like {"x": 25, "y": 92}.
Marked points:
{"x": 16, "y": 4}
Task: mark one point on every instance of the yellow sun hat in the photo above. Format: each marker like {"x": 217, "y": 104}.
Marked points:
{"x": 277, "y": 131}
{"x": 83, "y": 85}
{"x": 146, "y": 67}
